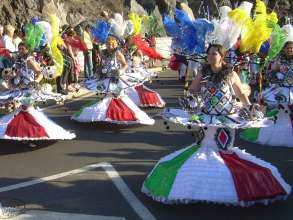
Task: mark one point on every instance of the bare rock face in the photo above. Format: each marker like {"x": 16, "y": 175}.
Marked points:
{"x": 282, "y": 7}
{"x": 17, "y": 12}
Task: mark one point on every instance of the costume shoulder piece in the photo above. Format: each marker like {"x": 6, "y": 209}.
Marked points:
{"x": 285, "y": 75}
{"x": 223, "y": 75}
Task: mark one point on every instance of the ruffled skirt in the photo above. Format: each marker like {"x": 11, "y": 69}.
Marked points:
{"x": 145, "y": 97}
{"x": 200, "y": 173}
{"x": 278, "y": 134}
{"x": 31, "y": 124}
{"x": 120, "y": 110}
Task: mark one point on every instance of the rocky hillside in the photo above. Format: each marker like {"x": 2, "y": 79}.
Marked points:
{"x": 72, "y": 11}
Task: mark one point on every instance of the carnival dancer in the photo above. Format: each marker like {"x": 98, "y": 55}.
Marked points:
{"x": 27, "y": 68}
{"x": 135, "y": 48}
{"x": 278, "y": 97}
{"x": 28, "y": 122}
{"x": 25, "y": 77}
{"x": 212, "y": 169}
{"x": 116, "y": 107}
{"x": 140, "y": 94}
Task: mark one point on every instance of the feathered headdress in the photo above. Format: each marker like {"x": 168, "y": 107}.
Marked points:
{"x": 288, "y": 29}
{"x": 139, "y": 42}
{"x": 254, "y": 31}
{"x": 101, "y": 31}
{"x": 188, "y": 35}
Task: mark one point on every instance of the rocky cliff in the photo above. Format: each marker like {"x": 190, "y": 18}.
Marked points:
{"x": 18, "y": 11}
{"x": 72, "y": 11}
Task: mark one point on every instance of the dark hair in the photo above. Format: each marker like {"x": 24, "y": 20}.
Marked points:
{"x": 222, "y": 51}
{"x": 70, "y": 32}
{"x": 22, "y": 44}
{"x": 226, "y": 68}
{"x": 88, "y": 26}
{"x": 287, "y": 43}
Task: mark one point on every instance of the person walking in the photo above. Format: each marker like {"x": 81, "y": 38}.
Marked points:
{"x": 88, "y": 55}
{"x": 8, "y": 38}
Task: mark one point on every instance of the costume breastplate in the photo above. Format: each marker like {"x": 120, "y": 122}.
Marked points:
{"x": 110, "y": 63}
{"x": 26, "y": 73}
{"x": 285, "y": 76}
{"x": 217, "y": 97}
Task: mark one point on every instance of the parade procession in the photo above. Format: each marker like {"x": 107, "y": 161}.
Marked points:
{"x": 181, "y": 112}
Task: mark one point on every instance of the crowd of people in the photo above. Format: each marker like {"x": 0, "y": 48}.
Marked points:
{"x": 44, "y": 63}
{"x": 14, "y": 49}
{"x": 242, "y": 79}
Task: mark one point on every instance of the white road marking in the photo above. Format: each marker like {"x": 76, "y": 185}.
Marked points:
{"x": 49, "y": 178}
{"x": 133, "y": 201}
{"x": 46, "y": 215}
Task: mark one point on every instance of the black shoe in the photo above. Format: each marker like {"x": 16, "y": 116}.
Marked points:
{"x": 63, "y": 92}
{"x": 182, "y": 79}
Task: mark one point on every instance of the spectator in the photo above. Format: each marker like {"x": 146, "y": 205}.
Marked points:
{"x": 88, "y": 55}
{"x": 1, "y": 34}
{"x": 71, "y": 57}
{"x": 17, "y": 38}
{"x": 8, "y": 38}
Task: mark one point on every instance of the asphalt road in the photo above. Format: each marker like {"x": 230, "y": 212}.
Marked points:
{"x": 132, "y": 152}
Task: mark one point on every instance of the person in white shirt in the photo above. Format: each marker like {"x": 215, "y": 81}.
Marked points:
{"x": 8, "y": 38}
{"x": 17, "y": 38}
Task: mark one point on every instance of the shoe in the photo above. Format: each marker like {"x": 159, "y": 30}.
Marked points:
{"x": 182, "y": 79}
{"x": 63, "y": 92}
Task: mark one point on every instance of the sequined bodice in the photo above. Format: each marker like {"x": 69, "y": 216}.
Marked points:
{"x": 217, "y": 97}
{"x": 285, "y": 76}
{"x": 26, "y": 73}
{"x": 110, "y": 63}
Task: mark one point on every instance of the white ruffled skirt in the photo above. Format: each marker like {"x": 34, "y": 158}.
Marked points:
{"x": 207, "y": 173}
{"x": 29, "y": 123}
{"x": 120, "y": 110}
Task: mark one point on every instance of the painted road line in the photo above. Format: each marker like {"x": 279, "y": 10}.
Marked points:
{"x": 47, "y": 215}
{"x": 133, "y": 201}
{"x": 49, "y": 178}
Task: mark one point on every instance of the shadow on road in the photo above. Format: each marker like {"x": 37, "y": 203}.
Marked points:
{"x": 14, "y": 147}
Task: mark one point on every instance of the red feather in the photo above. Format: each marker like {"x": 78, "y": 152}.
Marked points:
{"x": 144, "y": 47}
{"x": 4, "y": 53}
{"x": 76, "y": 42}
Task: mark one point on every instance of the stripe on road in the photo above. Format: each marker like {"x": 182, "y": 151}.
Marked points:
{"x": 133, "y": 201}
{"x": 46, "y": 215}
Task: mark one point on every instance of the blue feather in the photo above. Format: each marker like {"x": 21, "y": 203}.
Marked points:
{"x": 171, "y": 27}
{"x": 182, "y": 17}
{"x": 188, "y": 35}
{"x": 101, "y": 30}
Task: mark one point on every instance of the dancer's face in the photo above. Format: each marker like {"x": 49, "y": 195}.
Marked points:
{"x": 214, "y": 56}
{"x": 288, "y": 50}
{"x": 22, "y": 50}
